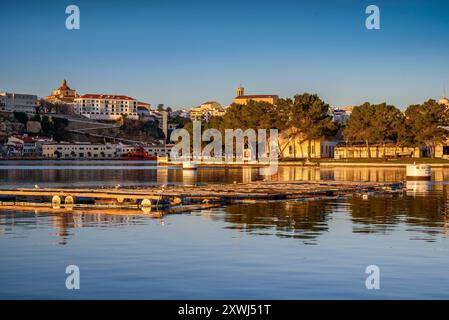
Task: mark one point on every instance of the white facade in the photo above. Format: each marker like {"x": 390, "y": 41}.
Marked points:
{"x": 106, "y": 107}
{"x": 65, "y": 150}
{"x": 18, "y": 102}
{"x": 207, "y": 110}
{"x": 156, "y": 150}
{"x": 79, "y": 151}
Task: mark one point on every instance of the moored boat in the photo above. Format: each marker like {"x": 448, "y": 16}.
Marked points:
{"x": 139, "y": 154}
{"x": 418, "y": 172}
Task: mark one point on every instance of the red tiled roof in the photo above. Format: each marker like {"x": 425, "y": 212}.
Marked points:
{"x": 105, "y": 96}
{"x": 257, "y": 96}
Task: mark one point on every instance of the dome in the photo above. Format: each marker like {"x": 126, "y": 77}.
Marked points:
{"x": 444, "y": 101}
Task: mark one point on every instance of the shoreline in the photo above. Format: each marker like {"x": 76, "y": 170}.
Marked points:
{"x": 434, "y": 163}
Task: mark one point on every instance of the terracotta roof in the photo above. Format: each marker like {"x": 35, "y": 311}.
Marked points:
{"x": 105, "y": 97}
{"x": 257, "y": 96}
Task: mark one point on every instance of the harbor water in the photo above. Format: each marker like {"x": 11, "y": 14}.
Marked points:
{"x": 315, "y": 249}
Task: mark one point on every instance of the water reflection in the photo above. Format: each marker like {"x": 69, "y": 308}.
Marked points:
{"x": 62, "y": 225}
{"x": 423, "y": 209}
{"x": 301, "y": 220}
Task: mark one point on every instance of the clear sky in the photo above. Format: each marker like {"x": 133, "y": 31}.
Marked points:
{"x": 182, "y": 53}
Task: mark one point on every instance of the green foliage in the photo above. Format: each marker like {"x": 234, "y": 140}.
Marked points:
{"x": 55, "y": 128}
{"x": 310, "y": 116}
{"x": 21, "y": 117}
{"x": 180, "y": 121}
{"x": 142, "y": 129}
{"x": 379, "y": 123}
{"x": 424, "y": 124}
{"x": 374, "y": 123}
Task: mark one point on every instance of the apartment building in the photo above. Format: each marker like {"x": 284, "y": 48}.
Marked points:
{"x": 106, "y": 107}
{"x": 18, "y": 102}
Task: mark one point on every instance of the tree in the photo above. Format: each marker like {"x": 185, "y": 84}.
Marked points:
{"x": 21, "y": 117}
{"x": 425, "y": 122}
{"x": 374, "y": 124}
{"x": 310, "y": 119}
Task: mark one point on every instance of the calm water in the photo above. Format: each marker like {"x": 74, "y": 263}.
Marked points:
{"x": 292, "y": 250}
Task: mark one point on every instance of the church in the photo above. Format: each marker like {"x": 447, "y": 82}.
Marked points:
{"x": 241, "y": 98}
{"x": 63, "y": 94}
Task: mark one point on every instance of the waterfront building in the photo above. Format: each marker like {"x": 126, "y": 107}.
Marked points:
{"x": 300, "y": 148}
{"x": 66, "y": 150}
{"x": 18, "y": 102}
{"x": 106, "y": 107}
{"x": 152, "y": 150}
{"x": 241, "y": 98}
{"x": 206, "y": 110}
{"x": 379, "y": 151}
{"x": 62, "y": 95}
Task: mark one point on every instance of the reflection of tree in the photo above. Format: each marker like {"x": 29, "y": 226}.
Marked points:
{"x": 383, "y": 214}
{"x": 302, "y": 220}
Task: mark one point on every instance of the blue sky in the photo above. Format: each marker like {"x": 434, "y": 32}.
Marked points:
{"x": 182, "y": 53}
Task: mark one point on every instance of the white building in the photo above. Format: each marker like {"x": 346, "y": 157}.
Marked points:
{"x": 154, "y": 150}
{"x": 106, "y": 107}
{"x": 19, "y": 102}
{"x": 341, "y": 115}
{"x": 66, "y": 150}
{"x": 206, "y": 110}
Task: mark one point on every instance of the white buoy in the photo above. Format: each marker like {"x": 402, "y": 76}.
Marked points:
{"x": 56, "y": 202}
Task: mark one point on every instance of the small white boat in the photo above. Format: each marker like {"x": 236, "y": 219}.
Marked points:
{"x": 189, "y": 165}
{"x": 418, "y": 172}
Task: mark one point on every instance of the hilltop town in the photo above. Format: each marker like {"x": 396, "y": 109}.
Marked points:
{"x": 70, "y": 125}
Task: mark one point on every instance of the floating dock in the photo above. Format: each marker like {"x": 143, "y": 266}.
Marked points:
{"x": 173, "y": 199}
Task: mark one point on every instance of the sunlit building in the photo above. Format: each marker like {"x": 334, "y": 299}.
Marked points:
{"x": 241, "y": 98}
{"x": 63, "y": 94}
{"x": 206, "y": 110}
{"x": 106, "y": 107}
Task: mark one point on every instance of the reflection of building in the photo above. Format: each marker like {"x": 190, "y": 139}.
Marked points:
{"x": 206, "y": 110}
{"x": 18, "y": 102}
{"x": 106, "y": 107}
{"x": 241, "y": 98}
{"x": 63, "y": 94}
